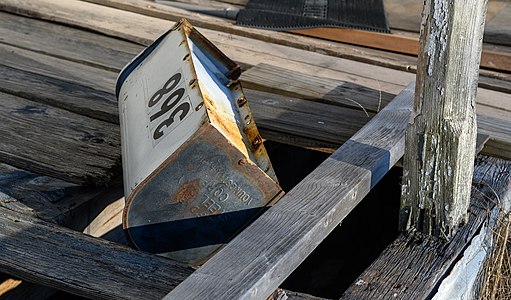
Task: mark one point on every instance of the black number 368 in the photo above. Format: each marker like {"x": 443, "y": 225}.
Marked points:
{"x": 173, "y": 96}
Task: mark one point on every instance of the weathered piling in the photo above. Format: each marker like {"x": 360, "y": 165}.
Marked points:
{"x": 440, "y": 139}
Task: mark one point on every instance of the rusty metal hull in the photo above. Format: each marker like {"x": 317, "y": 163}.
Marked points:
{"x": 196, "y": 171}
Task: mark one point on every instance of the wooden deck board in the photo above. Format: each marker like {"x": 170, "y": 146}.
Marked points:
{"x": 32, "y": 194}
{"x": 63, "y": 94}
{"x": 56, "y": 142}
{"x": 245, "y": 50}
{"x": 62, "y": 41}
{"x": 62, "y": 69}
{"x": 330, "y": 91}
{"x": 373, "y": 56}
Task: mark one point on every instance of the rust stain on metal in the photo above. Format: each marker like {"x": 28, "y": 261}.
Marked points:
{"x": 187, "y": 192}
{"x": 228, "y": 128}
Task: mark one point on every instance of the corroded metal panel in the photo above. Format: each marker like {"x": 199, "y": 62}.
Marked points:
{"x": 195, "y": 168}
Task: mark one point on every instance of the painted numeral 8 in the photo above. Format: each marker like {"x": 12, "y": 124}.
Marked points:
{"x": 165, "y": 107}
{"x": 167, "y": 88}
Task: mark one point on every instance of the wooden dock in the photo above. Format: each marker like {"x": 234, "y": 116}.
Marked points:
{"x": 61, "y": 195}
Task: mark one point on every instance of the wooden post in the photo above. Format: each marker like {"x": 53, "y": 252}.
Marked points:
{"x": 441, "y": 136}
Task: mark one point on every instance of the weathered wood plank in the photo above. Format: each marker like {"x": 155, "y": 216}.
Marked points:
{"x": 61, "y": 69}
{"x": 329, "y": 90}
{"x": 412, "y": 266}
{"x": 335, "y": 49}
{"x": 282, "y": 81}
{"x": 66, "y": 42}
{"x": 281, "y": 38}
{"x": 244, "y": 50}
{"x": 67, "y": 95}
{"x": 305, "y": 118}
{"x": 56, "y": 201}
{"x": 441, "y": 137}
{"x": 493, "y": 57}
{"x": 330, "y": 68}
{"x": 260, "y": 258}
{"x": 100, "y": 217}
{"x": 37, "y": 196}
{"x": 272, "y": 112}
{"x": 56, "y": 142}
{"x": 41, "y": 252}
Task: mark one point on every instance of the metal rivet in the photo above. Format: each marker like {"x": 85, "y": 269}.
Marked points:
{"x": 241, "y": 162}
{"x": 257, "y": 142}
{"x": 186, "y": 56}
{"x": 242, "y": 101}
{"x": 199, "y": 106}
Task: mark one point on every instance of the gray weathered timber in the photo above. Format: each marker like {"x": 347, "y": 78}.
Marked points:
{"x": 43, "y": 197}
{"x": 373, "y": 56}
{"x": 440, "y": 140}
{"x": 260, "y": 258}
{"x": 290, "y": 120}
{"x": 243, "y": 50}
{"x": 281, "y": 81}
{"x": 45, "y": 253}
{"x": 64, "y": 94}
{"x": 499, "y": 130}
{"x": 59, "y": 68}
{"x": 80, "y": 46}
{"x": 56, "y": 142}
{"x": 413, "y": 265}
{"x": 338, "y": 50}
{"x": 303, "y": 118}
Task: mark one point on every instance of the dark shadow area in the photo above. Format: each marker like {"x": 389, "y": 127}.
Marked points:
{"x": 292, "y": 164}
{"x": 352, "y": 247}
{"x": 185, "y": 234}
